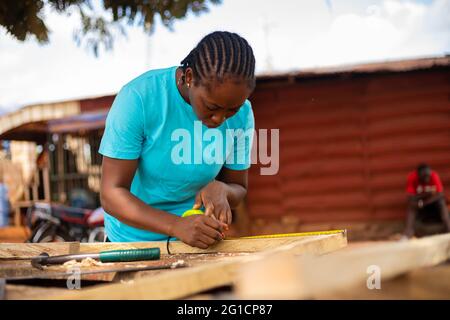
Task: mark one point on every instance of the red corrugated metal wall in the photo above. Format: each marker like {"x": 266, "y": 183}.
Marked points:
{"x": 348, "y": 142}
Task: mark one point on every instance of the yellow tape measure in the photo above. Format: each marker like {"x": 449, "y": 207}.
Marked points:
{"x": 192, "y": 212}
{"x": 298, "y": 234}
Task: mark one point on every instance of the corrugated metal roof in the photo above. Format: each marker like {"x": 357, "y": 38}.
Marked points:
{"x": 82, "y": 122}
{"x": 11, "y": 122}
{"x": 376, "y": 67}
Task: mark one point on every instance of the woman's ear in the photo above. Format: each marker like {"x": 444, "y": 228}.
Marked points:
{"x": 189, "y": 77}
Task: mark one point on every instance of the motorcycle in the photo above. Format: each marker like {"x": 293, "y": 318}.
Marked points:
{"x": 51, "y": 222}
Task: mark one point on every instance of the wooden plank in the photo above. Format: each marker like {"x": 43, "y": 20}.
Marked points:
{"x": 311, "y": 277}
{"x": 17, "y": 217}
{"x": 169, "y": 285}
{"x": 22, "y": 270}
{"x": 46, "y": 178}
{"x": 175, "y": 247}
{"x": 25, "y": 292}
{"x": 185, "y": 282}
{"x": 422, "y": 284}
{"x": 29, "y": 250}
{"x": 312, "y": 245}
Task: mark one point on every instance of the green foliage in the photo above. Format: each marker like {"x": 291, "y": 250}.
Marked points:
{"x": 100, "y": 21}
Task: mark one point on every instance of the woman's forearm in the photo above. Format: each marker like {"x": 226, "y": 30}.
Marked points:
{"x": 123, "y": 205}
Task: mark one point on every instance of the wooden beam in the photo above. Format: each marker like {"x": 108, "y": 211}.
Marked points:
{"x": 311, "y": 245}
{"x": 8, "y": 250}
{"x": 25, "y": 292}
{"x": 30, "y": 250}
{"x": 421, "y": 284}
{"x": 311, "y": 277}
{"x": 180, "y": 283}
{"x": 169, "y": 285}
{"x": 46, "y": 178}
{"x": 230, "y": 246}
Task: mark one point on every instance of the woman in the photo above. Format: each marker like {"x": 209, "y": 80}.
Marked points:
{"x": 145, "y": 188}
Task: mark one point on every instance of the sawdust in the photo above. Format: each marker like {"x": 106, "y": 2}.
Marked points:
{"x": 87, "y": 262}
{"x": 178, "y": 263}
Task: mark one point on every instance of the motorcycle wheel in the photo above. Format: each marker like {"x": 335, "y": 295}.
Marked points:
{"x": 47, "y": 233}
{"x": 97, "y": 235}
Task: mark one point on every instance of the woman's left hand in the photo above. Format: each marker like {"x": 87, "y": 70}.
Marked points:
{"x": 214, "y": 197}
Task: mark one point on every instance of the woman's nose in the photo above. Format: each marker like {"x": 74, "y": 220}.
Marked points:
{"x": 218, "y": 118}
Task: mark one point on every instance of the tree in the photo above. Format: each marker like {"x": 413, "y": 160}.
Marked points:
{"x": 99, "y": 20}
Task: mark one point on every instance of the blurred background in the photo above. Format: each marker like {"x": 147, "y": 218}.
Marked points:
{"x": 359, "y": 89}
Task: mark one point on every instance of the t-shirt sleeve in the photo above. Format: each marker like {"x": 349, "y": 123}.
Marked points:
{"x": 410, "y": 188}
{"x": 437, "y": 182}
{"x": 124, "y": 128}
{"x": 240, "y": 156}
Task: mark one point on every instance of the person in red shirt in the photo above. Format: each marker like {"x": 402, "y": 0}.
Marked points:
{"x": 425, "y": 198}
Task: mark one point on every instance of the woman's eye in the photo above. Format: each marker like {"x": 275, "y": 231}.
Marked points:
{"x": 233, "y": 111}
{"x": 211, "y": 108}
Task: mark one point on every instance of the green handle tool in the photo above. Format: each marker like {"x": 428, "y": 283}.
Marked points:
{"x": 130, "y": 255}
{"x": 104, "y": 256}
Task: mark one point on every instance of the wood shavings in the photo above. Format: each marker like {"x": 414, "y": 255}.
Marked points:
{"x": 126, "y": 281}
{"x": 176, "y": 264}
{"x": 87, "y": 262}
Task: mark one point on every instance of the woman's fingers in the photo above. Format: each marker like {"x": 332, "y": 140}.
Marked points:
{"x": 217, "y": 228}
{"x": 213, "y": 223}
{"x": 220, "y": 212}
{"x": 224, "y": 215}
{"x": 212, "y": 233}
{"x": 201, "y": 244}
{"x": 229, "y": 216}
{"x": 208, "y": 240}
{"x": 209, "y": 209}
{"x": 208, "y": 234}
{"x": 198, "y": 201}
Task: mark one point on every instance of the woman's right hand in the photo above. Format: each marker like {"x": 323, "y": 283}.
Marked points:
{"x": 198, "y": 230}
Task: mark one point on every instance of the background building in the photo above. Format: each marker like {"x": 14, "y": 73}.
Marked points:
{"x": 348, "y": 138}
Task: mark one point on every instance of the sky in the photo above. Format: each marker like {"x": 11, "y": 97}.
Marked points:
{"x": 285, "y": 35}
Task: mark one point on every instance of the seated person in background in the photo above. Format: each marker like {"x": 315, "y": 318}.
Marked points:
{"x": 426, "y": 198}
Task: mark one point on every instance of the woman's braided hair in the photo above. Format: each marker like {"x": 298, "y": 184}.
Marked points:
{"x": 221, "y": 55}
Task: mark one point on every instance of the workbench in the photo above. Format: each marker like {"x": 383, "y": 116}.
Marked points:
{"x": 308, "y": 267}
{"x": 204, "y": 270}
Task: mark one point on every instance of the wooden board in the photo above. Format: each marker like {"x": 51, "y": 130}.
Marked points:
{"x": 191, "y": 260}
{"x": 311, "y": 277}
{"x": 421, "y": 284}
{"x": 25, "y": 292}
{"x": 180, "y": 283}
{"x": 175, "y": 247}
{"x": 235, "y": 245}
{"x": 30, "y": 250}
{"x": 168, "y": 285}
{"x": 22, "y": 270}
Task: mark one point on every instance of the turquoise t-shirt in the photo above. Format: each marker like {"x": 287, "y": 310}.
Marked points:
{"x": 178, "y": 155}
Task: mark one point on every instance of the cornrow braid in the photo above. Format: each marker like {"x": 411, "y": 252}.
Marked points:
{"x": 220, "y": 55}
